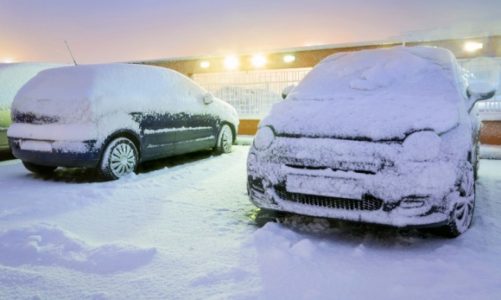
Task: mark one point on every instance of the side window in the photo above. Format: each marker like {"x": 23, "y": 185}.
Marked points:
{"x": 190, "y": 91}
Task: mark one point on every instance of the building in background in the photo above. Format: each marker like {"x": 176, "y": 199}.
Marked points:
{"x": 254, "y": 82}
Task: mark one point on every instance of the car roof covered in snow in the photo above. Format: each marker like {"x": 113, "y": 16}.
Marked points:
{"x": 14, "y": 76}
{"x": 106, "y": 87}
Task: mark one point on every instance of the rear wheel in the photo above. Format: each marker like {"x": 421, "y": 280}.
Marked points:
{"x": 39, "y": 169}
{"x": 462, "y": 213}
{"x": 120, "y": 158}
{"x": 225, "y": 139}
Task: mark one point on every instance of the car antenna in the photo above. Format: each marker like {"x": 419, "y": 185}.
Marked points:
{"x": 71, "y": 54}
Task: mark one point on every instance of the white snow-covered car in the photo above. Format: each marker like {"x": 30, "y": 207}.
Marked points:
{"x": 12, "y": 77}
{"x": 114, "y": 116}
{"x": 382, "y": 136}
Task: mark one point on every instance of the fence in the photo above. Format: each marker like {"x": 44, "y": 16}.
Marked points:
{"x": 490, "y": 110}
{"x": 252, "y": 93}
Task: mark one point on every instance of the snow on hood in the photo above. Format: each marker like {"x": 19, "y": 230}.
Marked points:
{"x": 373, "y": 94}
{"x": 78, "y": 93}
{"x": 14, "y": 76}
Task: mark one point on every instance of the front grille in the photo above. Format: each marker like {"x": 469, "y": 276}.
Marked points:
{"x": 367, "y": 204}
{"x": 368, "y": 169}
{"x": 30, "y": 118}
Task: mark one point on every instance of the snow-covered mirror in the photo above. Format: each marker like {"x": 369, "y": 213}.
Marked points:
{"x": 286, "y": 91}
{"x": 208, "y": 98}
{"x": 480, "y": 90}
{"x": 484, "y": 78}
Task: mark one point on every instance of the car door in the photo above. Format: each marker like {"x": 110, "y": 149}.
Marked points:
{"x": 196, "y": 126}
{"x": 159, "y": 124}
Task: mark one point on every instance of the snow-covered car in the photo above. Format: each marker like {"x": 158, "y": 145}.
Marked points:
{"x": 12, "y": 77}
{"x": 114, "y": 116}
{"x": 384, "y": 136}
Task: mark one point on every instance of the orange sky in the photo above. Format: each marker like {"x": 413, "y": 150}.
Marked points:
{"x": 107, "y": 31}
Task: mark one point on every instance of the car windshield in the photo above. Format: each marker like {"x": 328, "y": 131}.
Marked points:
{"x": 382, "y": 74}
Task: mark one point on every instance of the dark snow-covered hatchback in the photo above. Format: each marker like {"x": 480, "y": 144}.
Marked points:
{"x": 112, "y": 117}
{"x": 382, "y": 136}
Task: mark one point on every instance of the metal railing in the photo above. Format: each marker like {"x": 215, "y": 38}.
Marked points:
{"x": 252, "y": 93}
{"x": 490, "y": 109}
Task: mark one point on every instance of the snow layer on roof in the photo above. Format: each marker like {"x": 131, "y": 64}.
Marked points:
{"x": 103, "y": 89}
{"x": 14, "y": 76}
{"x": 375, "y": 94}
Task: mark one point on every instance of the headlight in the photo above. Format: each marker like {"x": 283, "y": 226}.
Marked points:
{"x": 264, "y": 138}
{"x": 251, "y": 162}
{"x": 422, "y": 146}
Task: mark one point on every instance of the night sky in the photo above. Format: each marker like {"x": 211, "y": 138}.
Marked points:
{"x": 106, "y": 31}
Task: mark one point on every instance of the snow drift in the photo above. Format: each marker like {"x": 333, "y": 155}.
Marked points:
{"x": 50, "y": 246}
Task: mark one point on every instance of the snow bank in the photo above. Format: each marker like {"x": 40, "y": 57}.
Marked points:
{"x": 50, "y": 246}
{"x": 14, "y": 76}
{"x": 375, "y": 94}
{"x": 490, "y": 151}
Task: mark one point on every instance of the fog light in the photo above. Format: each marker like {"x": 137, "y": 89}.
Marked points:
{"x": 412, "y": 203}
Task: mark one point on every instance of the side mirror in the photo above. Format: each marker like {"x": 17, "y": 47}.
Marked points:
{"x": 208, "y": 98}
{"x": 478, "y": 91}
{"x": 286, "y": 91}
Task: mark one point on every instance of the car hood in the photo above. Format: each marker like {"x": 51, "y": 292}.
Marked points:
{"x": 391, "y": 118}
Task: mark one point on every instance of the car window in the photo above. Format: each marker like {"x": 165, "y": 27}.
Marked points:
{"x": 190, "y": 91}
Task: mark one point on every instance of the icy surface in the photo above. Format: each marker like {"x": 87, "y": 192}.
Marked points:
{"x": 375, "y": 94}
{"x": 185, "y": 230}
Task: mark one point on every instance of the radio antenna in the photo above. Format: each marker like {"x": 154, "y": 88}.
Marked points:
{"x": 71, "y": 54}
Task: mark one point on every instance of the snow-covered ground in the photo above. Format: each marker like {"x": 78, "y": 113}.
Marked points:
{"x": 183, "y": 228}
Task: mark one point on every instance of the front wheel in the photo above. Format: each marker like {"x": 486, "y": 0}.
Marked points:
{"x": 462, "y": 213}
{"x": 39, "y": 169}
{"x": 120, "y": 158}
{"x": 224, "y": 140}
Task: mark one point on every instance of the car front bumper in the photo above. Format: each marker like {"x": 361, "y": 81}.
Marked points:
{"x": 351, "y": 180}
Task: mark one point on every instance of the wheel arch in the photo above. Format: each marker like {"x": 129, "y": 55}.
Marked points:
{"x": 131, "y": 135}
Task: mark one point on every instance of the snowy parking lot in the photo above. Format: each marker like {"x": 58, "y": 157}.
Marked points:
{"x": 183, "y": 228}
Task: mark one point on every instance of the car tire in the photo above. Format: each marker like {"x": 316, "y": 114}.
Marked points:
{"x": 461, "y": 216}
{"x": 224, "y": 140}
{"x": 119, "y": 159}
{"x": 39, "y": 169}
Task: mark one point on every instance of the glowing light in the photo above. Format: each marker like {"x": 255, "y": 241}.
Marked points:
{"x": 259, "y": 61}
{"x": 8, "y": 60}
{"x": 472, "y": 46}
{"x": 231, "y": 62}
{"x": 204, "y": 64}
{"x": 289, "y": 58}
